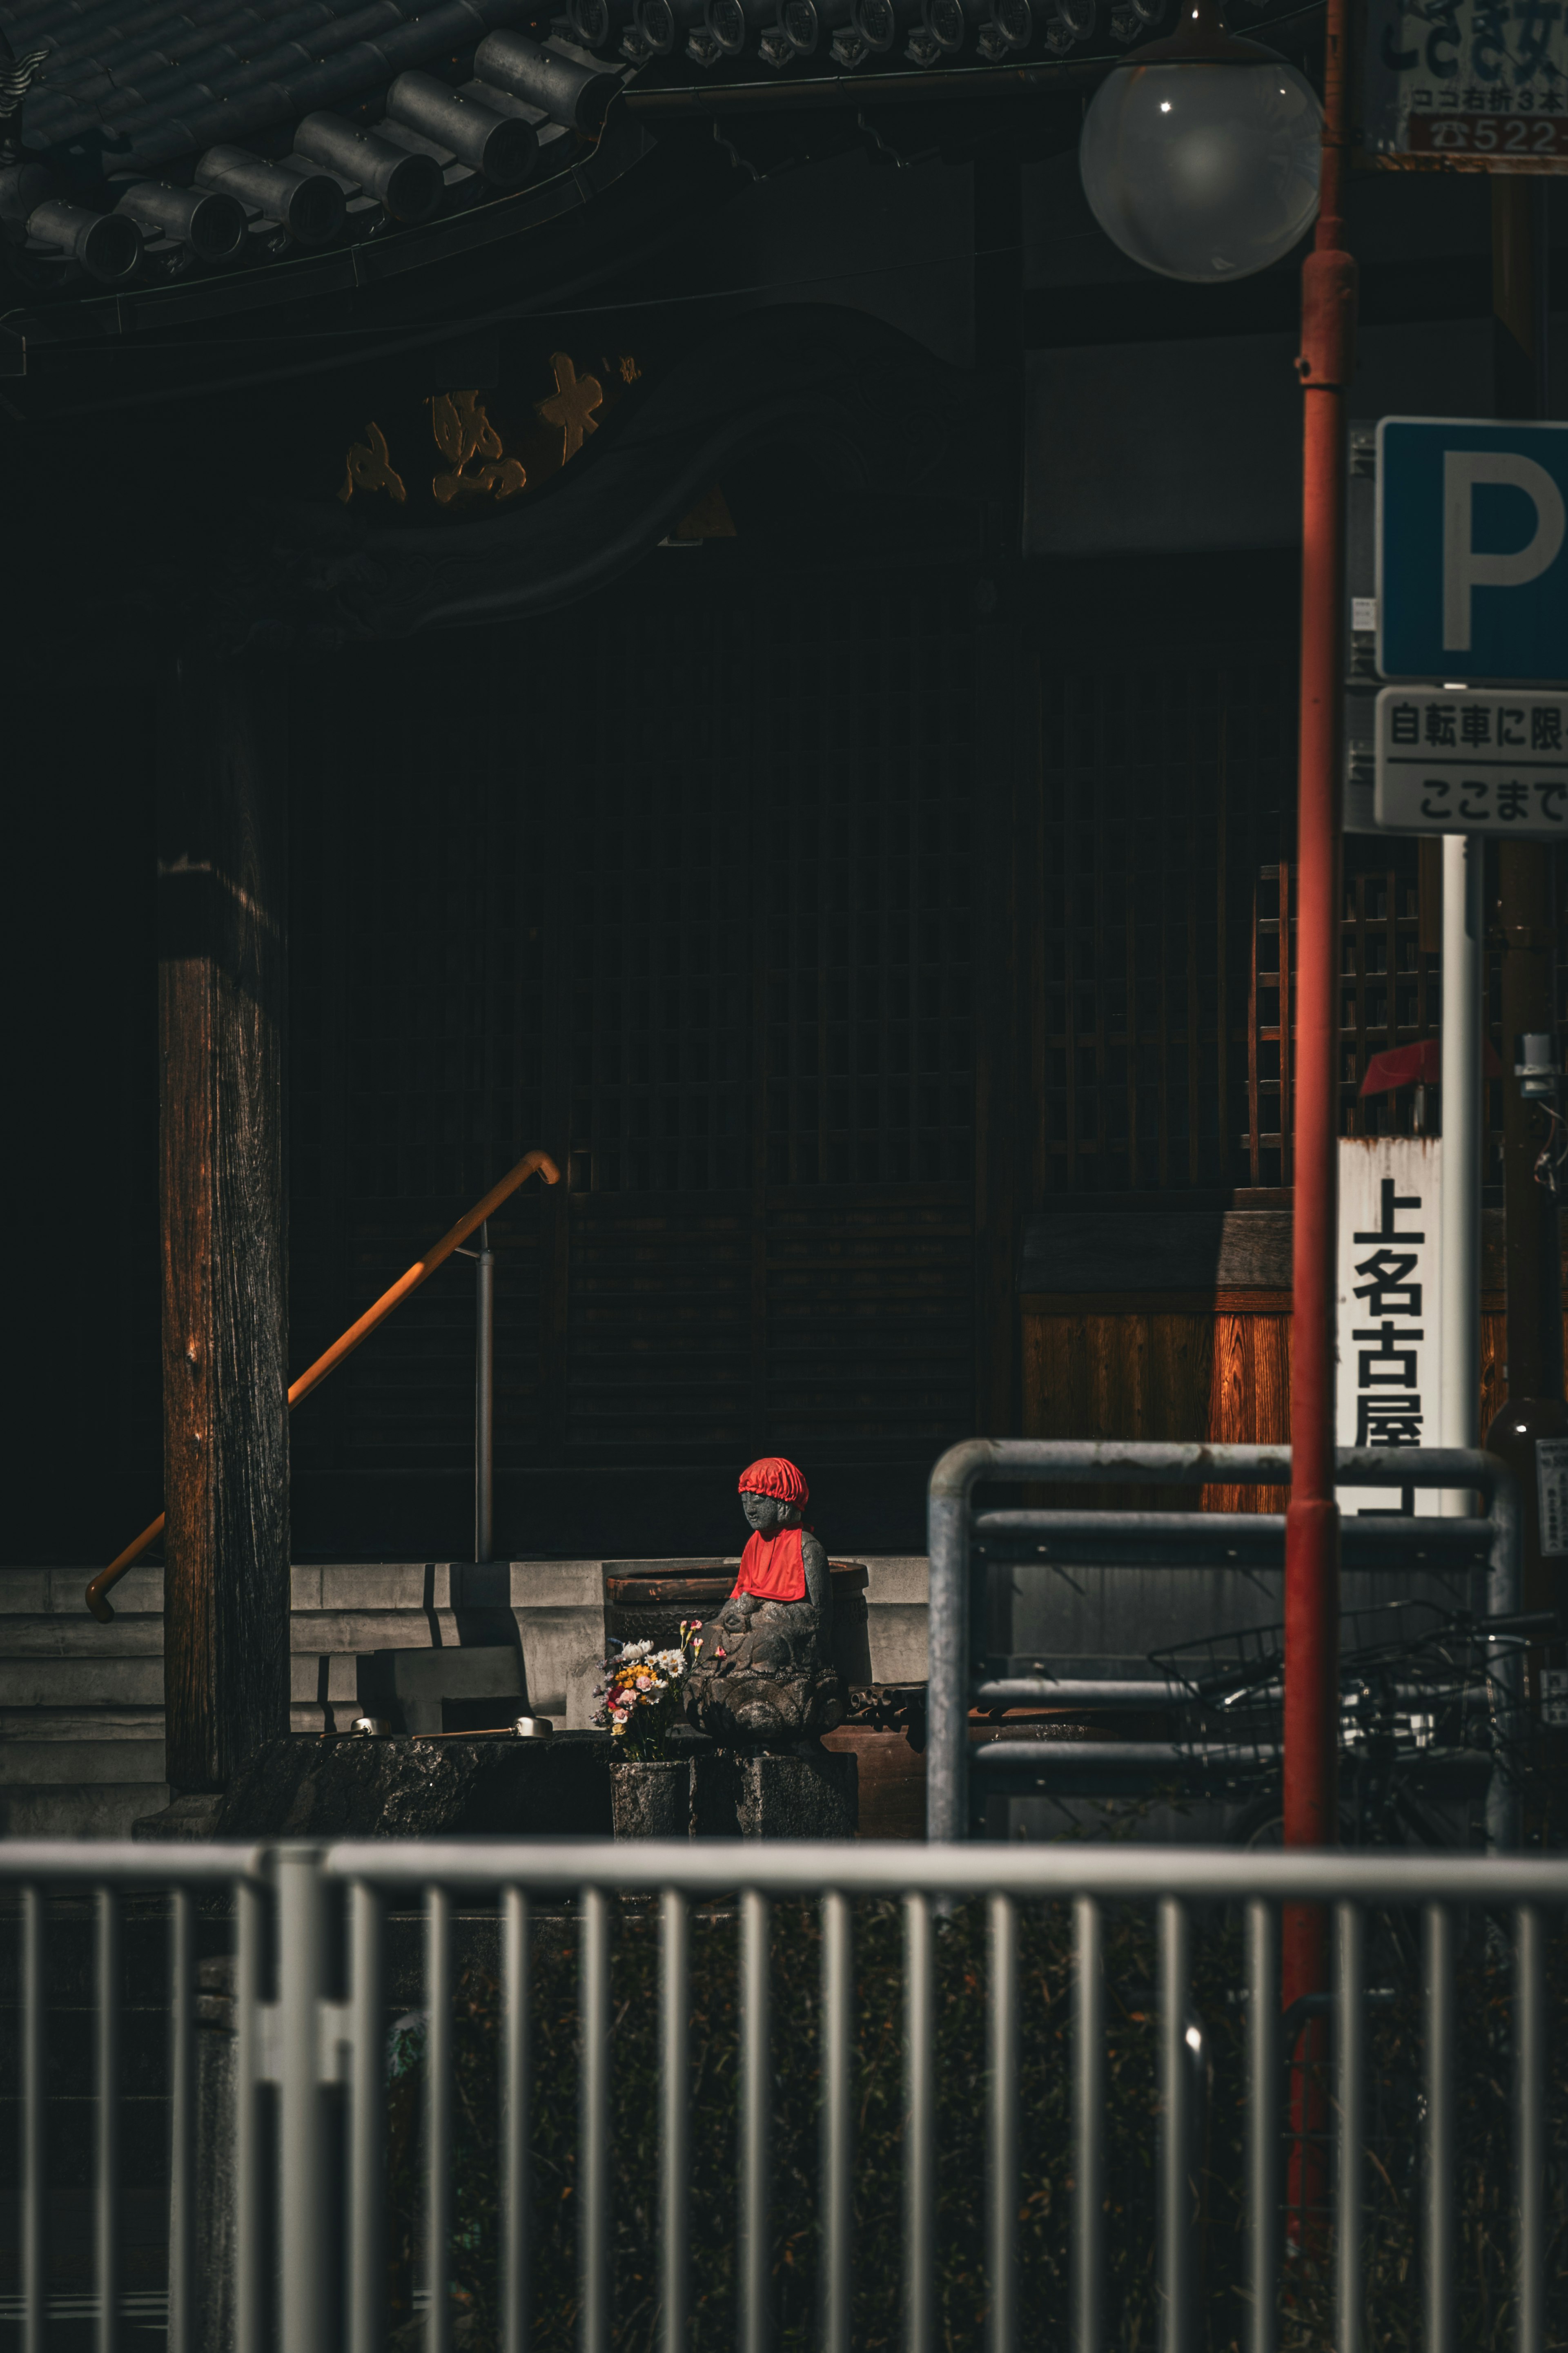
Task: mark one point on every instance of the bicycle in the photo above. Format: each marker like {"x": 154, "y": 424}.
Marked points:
{"x": 1430, "y": 1699}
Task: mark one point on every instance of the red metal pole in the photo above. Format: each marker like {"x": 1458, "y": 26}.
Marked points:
{"x": 1312, "y": 1522}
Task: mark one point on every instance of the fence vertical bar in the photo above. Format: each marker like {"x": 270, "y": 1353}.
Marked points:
{"x": 106, "y": 2216}
{"x": 1176, "y": 2185}
{"x": 1004, "y": 2070}
{"x": 438, "y": 1997}
{"x": 367, "y": 2122}
{"x": 1351, "y": 1938}
{"x": 181, "y": 2120}
{"x": 947, "y": 1543}
{"x": 516, "y": 2093}
{"x": 920, "y": 2145}
{"x": 1530, "y": 2128}
{"x": 1440, "y": 2129}
{"x": 301, "y": 2172}
{"x": 1505, "y": 1593}
{"x": 837, "y": 2058}
{"x": 675, "y": 1976}
{"x": 1089, "y": 2129}
{"x": 1264, "y": 2070}
{"x": 247, "y": 2167}
{"x": 756, "y": 2112}
{"x": 593, "y": 2226}
{"x": 35, "y": 2148}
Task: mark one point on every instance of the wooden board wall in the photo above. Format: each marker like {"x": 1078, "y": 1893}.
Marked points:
{"x": 1171, "y": 1365}
{"x": 1176, "y": 1365}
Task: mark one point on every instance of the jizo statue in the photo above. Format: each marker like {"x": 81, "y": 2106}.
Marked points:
{"x": 764, "y": 1674}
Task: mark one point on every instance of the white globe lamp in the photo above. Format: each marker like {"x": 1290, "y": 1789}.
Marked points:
{"x": 1199, "y": 155}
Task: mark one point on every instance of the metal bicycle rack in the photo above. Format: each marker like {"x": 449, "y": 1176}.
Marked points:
{"x": 965, "y": 1538}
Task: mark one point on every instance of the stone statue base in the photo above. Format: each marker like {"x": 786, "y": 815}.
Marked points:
{"x": 652, "y": 1801}
{"x": 762, "y": 1676}
{"x": 749, "y": 1795}
{"x": 738, "y": 1793}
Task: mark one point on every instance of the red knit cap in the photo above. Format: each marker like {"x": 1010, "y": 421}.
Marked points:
{"x": 773, "y": 1476}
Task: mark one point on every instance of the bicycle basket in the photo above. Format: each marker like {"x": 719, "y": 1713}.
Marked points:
{"x": 1413, "y": 1676}
{"x": 1230, "y": 1716}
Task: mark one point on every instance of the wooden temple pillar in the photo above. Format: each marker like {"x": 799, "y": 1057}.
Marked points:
{"x": 221, "y": 979}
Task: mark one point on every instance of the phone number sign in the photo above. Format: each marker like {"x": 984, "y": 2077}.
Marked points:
{"x": 1466, "y": 760}
{"x": 1483, "y": 137}
{"x": 1478, "y": 85}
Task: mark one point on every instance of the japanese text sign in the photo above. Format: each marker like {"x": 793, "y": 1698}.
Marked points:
{"x": 1389, "y": 1324}
{"x": 1482, "y": 84}
{"x": 1472, "y": 760}
{"x": 1472, "y": 569}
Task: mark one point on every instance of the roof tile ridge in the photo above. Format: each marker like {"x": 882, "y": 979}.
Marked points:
{"x": 231, "y": 23}
{"x": 95, "y": 44}
{"x": 261, "y": 69}
{"x": 164, "y": 135}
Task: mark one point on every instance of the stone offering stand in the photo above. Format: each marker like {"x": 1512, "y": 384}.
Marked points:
{"x": 422, "y": 1786}
{"x": 727, "y": 1793}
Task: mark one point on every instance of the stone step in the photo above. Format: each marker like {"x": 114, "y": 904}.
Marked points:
{"x": 350, "y": 1585}
{"x": 324, "y": 1696}
{"x": 60, "y": 1637}
{"x": 78, "y": 1681}
{"x": 413, "y": 1629}
{"x": 445, "y": 1584}
{"x": 26, "y": 1591}
{"x": 47, "y": 1762}
{"x": 81, "y": 1809}
{"x": 56, "y": 1636}
{"x": 127, "y": 1723}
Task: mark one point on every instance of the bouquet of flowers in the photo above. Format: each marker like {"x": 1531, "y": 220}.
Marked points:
{"x": 640, "y": 1697}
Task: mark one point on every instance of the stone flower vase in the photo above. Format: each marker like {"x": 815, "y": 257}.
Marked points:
{"x": 651, "y": 1801}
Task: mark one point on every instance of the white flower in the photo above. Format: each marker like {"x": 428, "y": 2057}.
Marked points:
{"x": 635, "y": 1651}
{"x": 671, "y": 1663}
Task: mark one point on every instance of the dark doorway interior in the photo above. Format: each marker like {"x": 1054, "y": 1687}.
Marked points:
{"x": 677, "y": 885}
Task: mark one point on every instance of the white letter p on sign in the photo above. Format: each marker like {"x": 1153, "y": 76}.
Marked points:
{"x": 1463, "y": 567}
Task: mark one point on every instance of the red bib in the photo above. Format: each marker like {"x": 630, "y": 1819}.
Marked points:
{"x": 772, "y": 1569}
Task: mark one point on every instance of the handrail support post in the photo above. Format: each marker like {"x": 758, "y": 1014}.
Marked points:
{"x": 484, "y": 1397}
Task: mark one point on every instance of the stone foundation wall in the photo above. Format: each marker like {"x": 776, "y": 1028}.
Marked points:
{"x": 81, "y": 1706}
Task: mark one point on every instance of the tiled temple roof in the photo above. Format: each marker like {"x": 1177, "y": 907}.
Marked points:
{"x": 159, "y": 138}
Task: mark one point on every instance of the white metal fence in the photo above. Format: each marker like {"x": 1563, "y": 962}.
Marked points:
{"x": 311, "y": 2011}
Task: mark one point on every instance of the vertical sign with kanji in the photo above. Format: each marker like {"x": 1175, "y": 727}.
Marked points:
{"x": 1481, "y": 84}
{"x": 1390, "y": 1320}
{"x": 1551, "y": 1497}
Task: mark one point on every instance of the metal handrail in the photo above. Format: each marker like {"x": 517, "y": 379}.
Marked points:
{"x": 347, "y": 1342}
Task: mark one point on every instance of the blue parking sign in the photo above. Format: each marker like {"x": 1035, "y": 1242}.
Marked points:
{"x": 1472, "y": 563}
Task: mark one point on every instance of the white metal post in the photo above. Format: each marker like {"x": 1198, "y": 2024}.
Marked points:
{"x": 1459, "y": 1377}
{"x": 301, "y": 2139}
{"x": 485, "y": 1398}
